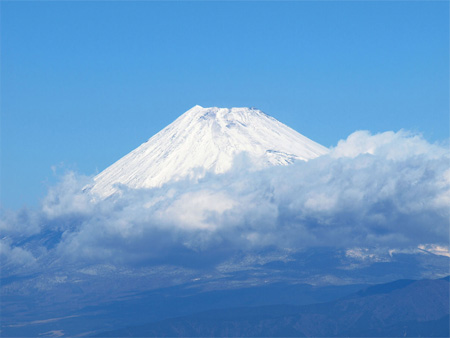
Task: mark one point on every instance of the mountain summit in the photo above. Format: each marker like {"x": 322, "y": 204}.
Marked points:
{"x": 207, "y": 139}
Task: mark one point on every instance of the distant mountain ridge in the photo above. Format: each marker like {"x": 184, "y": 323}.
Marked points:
{"x": 399, "y": 309}
{"x": 318, "y": 275}
{"x": 207, "y": 139}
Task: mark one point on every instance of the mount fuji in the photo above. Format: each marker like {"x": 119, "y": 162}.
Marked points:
{"x": 284, "y": 252}
{"x": 207, "y": 139}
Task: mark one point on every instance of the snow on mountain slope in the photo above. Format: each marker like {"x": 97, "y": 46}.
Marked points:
{"x": 205, "y": 139}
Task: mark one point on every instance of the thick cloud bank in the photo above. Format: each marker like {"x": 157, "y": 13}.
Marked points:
{"x": 390, "y": 190}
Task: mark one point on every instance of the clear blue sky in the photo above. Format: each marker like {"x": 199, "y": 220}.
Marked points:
{"x": 84, "y": 83}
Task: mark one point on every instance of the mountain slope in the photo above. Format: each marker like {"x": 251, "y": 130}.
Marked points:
{"x": 402, "y": 309}
{"x": 204, "y": 139}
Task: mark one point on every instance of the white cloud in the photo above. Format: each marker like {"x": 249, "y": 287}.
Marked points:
{"x": 387, "y": 190}
{"x": 197, "y": 210}
{"x": 14, "y": 256}
{"x": 436, "y": 249}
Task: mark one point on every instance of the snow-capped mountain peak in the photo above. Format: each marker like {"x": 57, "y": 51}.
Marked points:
{"x": 207, "y": 139}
